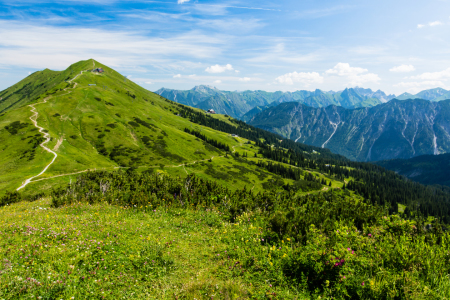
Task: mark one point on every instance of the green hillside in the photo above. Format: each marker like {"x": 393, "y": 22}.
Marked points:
{"x": 104, "y": 121}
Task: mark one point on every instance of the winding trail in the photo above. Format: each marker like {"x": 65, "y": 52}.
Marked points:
{"x": 33, "y": 119}
{"x": 79, "y": 172}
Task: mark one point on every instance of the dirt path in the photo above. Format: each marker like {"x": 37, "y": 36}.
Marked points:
{"x": 33, "y": 119}
{"x": 61, "y": 175}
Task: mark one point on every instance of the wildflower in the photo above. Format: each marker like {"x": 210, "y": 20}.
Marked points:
{"x": 370, "y": 235}
{"x": 288, "y": 239}
{"x": 362, "y": 283}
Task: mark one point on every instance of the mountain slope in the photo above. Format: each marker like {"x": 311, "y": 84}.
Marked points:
{"x": 397, "y": 129}
{"x": 105, "y": 121}
{"x": 237, "y": 104}
{"x": 426, "y": 169}
{"x": 36, "y": 84}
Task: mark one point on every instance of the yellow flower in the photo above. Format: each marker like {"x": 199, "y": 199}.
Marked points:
{"x": 288, "y": 239}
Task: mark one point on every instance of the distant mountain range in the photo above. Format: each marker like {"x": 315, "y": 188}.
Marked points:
{"x": 237, "y": 104}
{"x": 437, "y": 94}
{"x": 240, "y": 104}
{"x": 426, "y": 169}
{"x": 396, "y": 129}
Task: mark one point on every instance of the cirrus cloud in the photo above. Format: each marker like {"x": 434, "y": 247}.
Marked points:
{"x": 245, "y": 79}
{"x": 219, "y": 68}
{"x": 305, "y": 78}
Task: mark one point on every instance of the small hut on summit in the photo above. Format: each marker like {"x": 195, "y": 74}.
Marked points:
{"x": 210, "y": 111}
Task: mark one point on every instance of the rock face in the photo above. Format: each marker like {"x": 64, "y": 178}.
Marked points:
{"x": 396, "y": 129}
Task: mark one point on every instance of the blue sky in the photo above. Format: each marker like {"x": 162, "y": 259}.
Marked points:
{"x": 395, "y": 46}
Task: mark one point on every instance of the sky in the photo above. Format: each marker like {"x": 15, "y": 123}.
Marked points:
{"x": 396, "y": 46}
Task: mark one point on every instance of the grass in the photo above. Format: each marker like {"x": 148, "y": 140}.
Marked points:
{"x": 96, "y": 251}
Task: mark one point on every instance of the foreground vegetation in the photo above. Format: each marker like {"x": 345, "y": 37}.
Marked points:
{"x": 149, "y": 236}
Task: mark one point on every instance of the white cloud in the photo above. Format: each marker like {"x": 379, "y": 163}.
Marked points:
{"x": 129, "y": 76}
{"x": 219, "y": 68}
{"x": 177, "y": 76}
{"x": 41, "y": 46}
{"x": 419, "y": 84}
{"x": 431, "y": 24}
{"x": 414, "y": 87}
{"x": 149, "y": 82}
{"x": 441, "y": 75}
{"x": 403, "y": 69}
{"x": 29, "y": 73}
{"x": 344, "y": 69}
{"x": 305, "y": 78}
{"x": 237, "y": 71}
{"x": 354, "y": 75}
{"x": 182, "y": 1}
{"x": 245, "y": 79}
{"x": 191, "y": 76}
{"x": 218, "y": 81}
{"x": 435, "y": 23}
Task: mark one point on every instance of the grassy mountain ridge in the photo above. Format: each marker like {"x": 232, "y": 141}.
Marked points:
{"x": 37, "y": 84}
{"x": 104, "y": 121}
